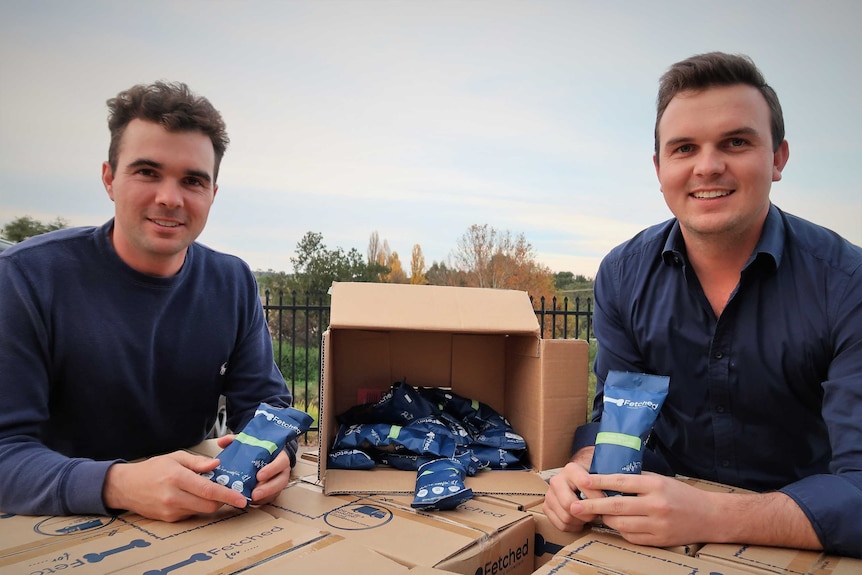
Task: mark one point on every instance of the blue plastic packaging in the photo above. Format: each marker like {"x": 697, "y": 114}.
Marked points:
{"x": 259, "y": 442}
{"x": 440, "y": 485}
{"x": 632, "y": 402}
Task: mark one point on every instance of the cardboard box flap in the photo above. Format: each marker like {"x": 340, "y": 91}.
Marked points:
{"x": 373, "y": 306}
{"x": 381, "y": 480}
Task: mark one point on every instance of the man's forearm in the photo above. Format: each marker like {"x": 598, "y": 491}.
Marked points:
{"x": 763, "y": 519}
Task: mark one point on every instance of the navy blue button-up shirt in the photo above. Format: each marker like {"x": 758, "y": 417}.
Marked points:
{"x": 768, "y": 396}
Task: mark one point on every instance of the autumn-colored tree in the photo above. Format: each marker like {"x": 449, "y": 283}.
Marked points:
{"x": 396, "y": 273}
{"x": 494, "y": 259}
{"x": 417, "y": 266}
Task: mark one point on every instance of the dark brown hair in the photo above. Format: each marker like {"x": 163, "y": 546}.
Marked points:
{"x": 717, "y": 69}
{"x": 171, "y": 104}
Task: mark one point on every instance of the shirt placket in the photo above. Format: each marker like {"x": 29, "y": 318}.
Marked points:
{"x": 721, "y": 406}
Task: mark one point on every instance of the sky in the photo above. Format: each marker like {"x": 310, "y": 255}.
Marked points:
{"x": 417, "y": 119}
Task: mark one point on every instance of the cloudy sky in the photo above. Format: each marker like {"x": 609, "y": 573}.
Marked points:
{"x": 416, "y": 119}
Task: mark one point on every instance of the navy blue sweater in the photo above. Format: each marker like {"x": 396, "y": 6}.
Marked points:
{"x": 100, "y": 363}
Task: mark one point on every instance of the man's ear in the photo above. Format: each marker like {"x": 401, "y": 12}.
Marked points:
{"x": 779, "y": 160}
{"x": 108, "y": 179}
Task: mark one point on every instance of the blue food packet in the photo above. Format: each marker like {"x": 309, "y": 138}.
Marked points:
{"x": 425, "y": 436}
{"x": 440, "y": 485}
{"x": 350, "y": 459}
{"x": 496, "y": 458}
{"x": 259, "y": 442}
{"x": 632, "y": 402}
{"x": 400, "y": 405}
{"x": 498, "y": 433}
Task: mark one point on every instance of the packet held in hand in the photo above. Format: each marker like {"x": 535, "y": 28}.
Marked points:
{"x": 632, "y": 402}
{"x": 259, "y": 442}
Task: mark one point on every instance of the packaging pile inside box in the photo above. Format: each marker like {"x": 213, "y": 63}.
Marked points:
{"x": 481, "y": 344}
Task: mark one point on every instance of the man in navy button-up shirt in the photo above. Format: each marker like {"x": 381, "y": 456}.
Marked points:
{"x": 756, "y": 317}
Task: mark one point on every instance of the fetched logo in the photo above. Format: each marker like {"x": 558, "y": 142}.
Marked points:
{"x": 506, "y": 562}
{"x": 629, "y": 403}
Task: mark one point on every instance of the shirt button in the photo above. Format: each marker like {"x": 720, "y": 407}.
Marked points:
{"x": 719, "y": 408}
{"x": 725, "y": 463}
{"x": 718, "y": 355}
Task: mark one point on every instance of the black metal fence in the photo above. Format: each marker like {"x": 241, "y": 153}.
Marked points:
{"x": 297, "y": 324}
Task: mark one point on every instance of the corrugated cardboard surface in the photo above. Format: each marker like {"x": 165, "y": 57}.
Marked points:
{"x": 773, "y": 560}
{"x": 462, "y": 540}
{"x": 481, "y": 344}
{"x": 507, "y": 544}
{"x": 431, "y": 308}
{"x": 230, "y": 550}
{"x": 331, "y": 555}
{"x": 40, "y": 540}
{"x": 606, "y": 554}
{"x": 398, "y": 534}
{"x": 135, "y": 540}
{"x": 549, "y": 539}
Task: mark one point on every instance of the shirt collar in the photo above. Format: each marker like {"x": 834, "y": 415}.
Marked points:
{"x": 770, "y": 246}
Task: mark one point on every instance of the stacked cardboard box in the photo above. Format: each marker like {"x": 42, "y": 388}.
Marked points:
{"x": 474, "y": 537}
{"x": 759, "y": 560}
{"x": 599, "y": 553}
{"x": 227, "y": 541}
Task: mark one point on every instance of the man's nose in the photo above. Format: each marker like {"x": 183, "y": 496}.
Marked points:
{"x": 709, "y": 162}
{"x": 170, "y": 194}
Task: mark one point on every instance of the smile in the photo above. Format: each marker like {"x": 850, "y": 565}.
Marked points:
{"x": 165, "y": 224}
{"x": 710, "y": 194}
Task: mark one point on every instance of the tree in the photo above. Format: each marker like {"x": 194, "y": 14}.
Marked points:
{"x": 25, "y": 227}
{"x": 417, "y": 267}
{"x": 396, "y": 273}
{"x": 375, "y": 250}
{"x": 316, "y": 267}
{"x": 439, "y": 274}
{"x": 493, "y": 259}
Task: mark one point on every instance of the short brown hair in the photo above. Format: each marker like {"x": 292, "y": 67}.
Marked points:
{"x": 172, "y": 105}
{"x": 717, "y": 69}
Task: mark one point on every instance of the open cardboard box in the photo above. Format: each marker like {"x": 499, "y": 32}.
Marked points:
{"x": 483, "y": 344}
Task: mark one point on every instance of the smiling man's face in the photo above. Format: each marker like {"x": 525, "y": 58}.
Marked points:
{"x": 716, "y": 163}
{"x": 163, "y": 189}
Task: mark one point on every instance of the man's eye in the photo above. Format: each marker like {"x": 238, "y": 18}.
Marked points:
{"x": 194, "y": 182}
{"x": 148, "y": 172}
{"x": 685, "y": 148}
{"x": 737, "y": 142}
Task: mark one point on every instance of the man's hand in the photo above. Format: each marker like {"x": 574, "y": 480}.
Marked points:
{"x": 271, "y": 479}
{"x": 663, "y": 511}
{"x": 167, "y": 487}
{"x": 660, "y": 511}
{"x": 562, "y": 495}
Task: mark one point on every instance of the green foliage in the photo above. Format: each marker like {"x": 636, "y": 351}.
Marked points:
{"x": 316, "y": 267}
{"x": 25, "y": 227}
{"x": 568, "y": 284}
{"x": 298, "y": 364}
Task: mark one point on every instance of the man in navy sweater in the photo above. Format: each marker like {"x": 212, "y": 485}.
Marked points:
{"x": 117, "y": 341}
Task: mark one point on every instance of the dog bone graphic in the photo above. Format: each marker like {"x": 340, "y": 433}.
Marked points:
{"x": 193, "y": 559}
{"x": 96, "y": 557}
